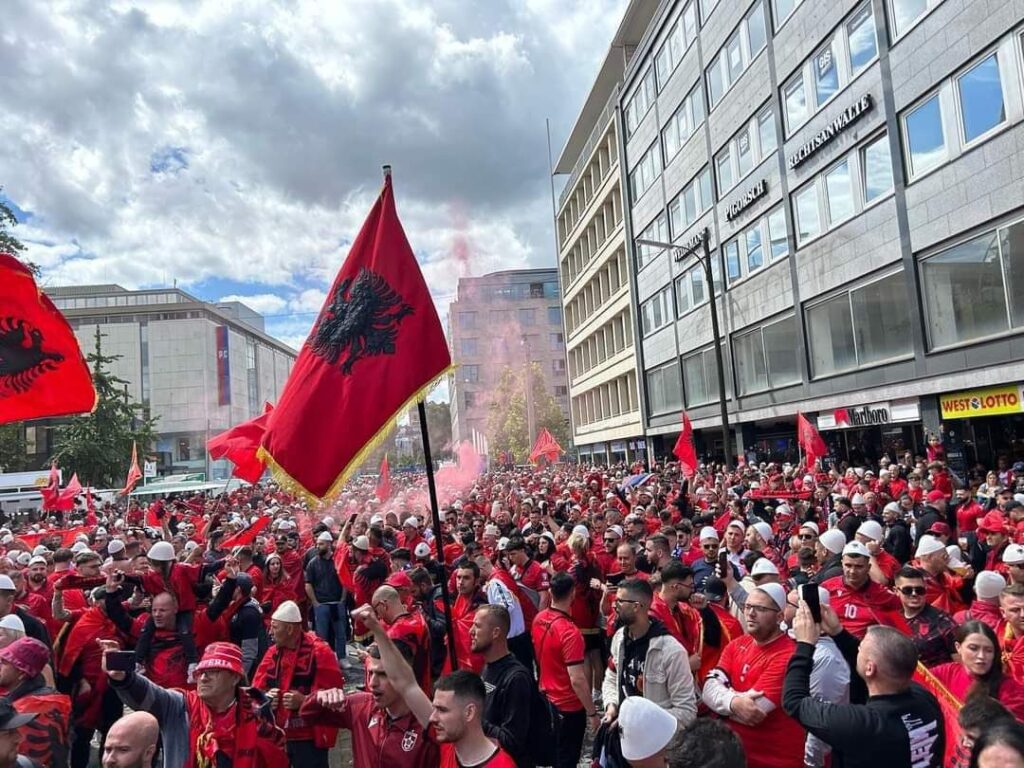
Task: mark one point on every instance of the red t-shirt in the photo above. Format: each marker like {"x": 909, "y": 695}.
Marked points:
{"x": 500, "y": 759}
{"x": 558, "y": 645}
{"x": 778, "y": 742}
{"x": 534, "y": 575}
{"x": 863, "y": 608}
{"x": 411, "y": 629}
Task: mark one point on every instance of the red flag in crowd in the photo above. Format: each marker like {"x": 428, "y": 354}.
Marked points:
{"x": 248, "y": 536}
{"x": 42, "y": 371}
{"x": 813, "y": 446}
{"x": 134, "y": 473}
{"x": 545, "y": 446}
{"x": 684, "y": 450}
{"x": 66, "y": 499}
{"x": 376, "y": 348}
{"x": 52, "y": 489}
{"x": 240, "y": 444}
{"x": 383, "y": 491}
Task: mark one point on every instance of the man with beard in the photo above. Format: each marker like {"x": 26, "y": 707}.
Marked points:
{"x": 131, "y": 742}
{"x": 646, "y": 660}
{"x": 468, "y": 599}
{"x": 424, "y": 593}
{"x": 246, "y": 627}
{"x": 294, "y": 668}
{"x": 860, "y": 602}
{"x": 326, "y": 595}
{"x": 221, "y": 723}
{"x": 180, "y": 579}
{"x": 510, "y": 688}
{"x": 45, "y": 739}
{"x": 158, "y": 646}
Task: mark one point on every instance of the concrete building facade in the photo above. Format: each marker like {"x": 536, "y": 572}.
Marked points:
{"x": 197, "y": 367}
{"x": 496, "y": 321}
{"x": 859, "y": 165}
{"x": 594, "y": 264}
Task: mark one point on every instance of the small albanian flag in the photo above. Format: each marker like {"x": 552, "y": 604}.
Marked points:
{"x": 134, "y": 473}
{"x": 383, "y": 490}
{"x": 810, "y": 440}
{"x": 240, "y": 444}
{"x": 684, "y": 450}
{"x": 376, "y": 347}
{"x": 66, "y": 499}
{"x": 42, "y": 371}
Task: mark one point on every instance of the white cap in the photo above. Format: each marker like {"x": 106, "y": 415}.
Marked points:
{"x": 115, "y": 546}
{"x": 190, "y": 545}
{"x": 37, "y": 560}
{"x": 6, "y": 583}
{"x": 833, "y": 540}
{"x": 12, "y": 620}
{"x": 362, "y": 542}
{"x": 1013, "y": 554}
{"x": 892, "y": 506}
{"x": 956, "y": 557}
{"x": 783, "y": 509}
{"x": 707, "y": 532}
{"x": 857, "y": 499}
{"x": 764, "y": 567}
{"x": 582, "y": 530}
{"x": 288, "y": 612}
{"x": 856, "y": 549}
{"x": 646, "y": 728}
{"x": 989, "y": 585}
{"x": 736, "y": 524}
{"x": 287, "y": 525}
{"x": 928, "y": 545}
{"x": 325, "y": 536}
{"x": 422, "y": 549}
{"x": 162, "y": 552}
{"x": 776, "y": 593}
{"x": 79, "y": 547}
{"x": 39, "y": 550}
{"x": 23, "y": 558}
{"x": 871, "y": 529}
{"x": 616, "y": 529}
{"x": 763, "y": 530}
{"x": 376, "y": 519}
{"x": 503, "y": 543}
{"x": 7, "y": 539}
{"x": 101, "y": 531}
{"x": 812, "y": 525}
{"x": 328, "y": 521}
{"x": 412, "y": 520}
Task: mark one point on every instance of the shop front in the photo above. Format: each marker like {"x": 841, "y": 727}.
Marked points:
{"x": 981, "y": 426}
{"x": 861, "y": 435}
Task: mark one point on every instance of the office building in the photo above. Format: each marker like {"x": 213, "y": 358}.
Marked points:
{"x": 593, "y": 262}
{"x": 859, "y": 165}
{"x": 198, "y": 368}
{"x": 497, "y": 321}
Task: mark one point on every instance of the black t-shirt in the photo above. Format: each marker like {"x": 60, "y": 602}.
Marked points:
{"x": 634, "y": 658}
{"x": 323, "y": 575}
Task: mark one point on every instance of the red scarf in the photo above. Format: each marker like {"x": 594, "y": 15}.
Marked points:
{"x": 93, "y": 625}
{"x": 248, "y": 740}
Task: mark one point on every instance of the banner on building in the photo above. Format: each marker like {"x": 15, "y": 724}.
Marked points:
{"x": 991, "y": 401}
{"x": 223, "y": 367}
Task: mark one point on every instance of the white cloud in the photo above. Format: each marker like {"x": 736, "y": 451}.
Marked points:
{"x": 264, "y": 303}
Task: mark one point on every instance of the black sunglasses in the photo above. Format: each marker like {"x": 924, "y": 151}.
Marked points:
{"x": 908, "y": 591}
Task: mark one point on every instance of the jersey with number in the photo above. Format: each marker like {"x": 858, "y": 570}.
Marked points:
{"x": 861, "y": 608}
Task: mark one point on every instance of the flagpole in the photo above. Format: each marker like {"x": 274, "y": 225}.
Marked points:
{"x": 435, "y": 516}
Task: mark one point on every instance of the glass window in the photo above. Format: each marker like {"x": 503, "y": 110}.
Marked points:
{"x": 697, "y": 285}
{"x": 796, "y": 103}
{"x": 831, "y": 336}
{"x": 782, "y": 10}
{"x": 733, "y": 58}
{"x": 826, "y": 74}
{"x": 924, "y": 138}
{"x": 766, "y": 132}
{"x": 683, "y": 295}
{"x": 755, "y": 252}
{"x": 807, "y": 222}
{"x": 468, "y": 346}
{"x": 860, "y": 32}
{"x": 981, "y": 98}
{"x": 554, "y": 315}
{"x": 1011, "y": 247}
{"x": 780, "y": 352}
{"x": 704, "y": 184}
{"x": 756, "y": 34}
{"x": 732, "y": 260}
{"x": 777, "y": 233}
{"x": 877, "y": 169}
{"x": 689, "y": 206}
{"x": 840, "y": 193}
{"x": 724, "y": 165}
{"x": 744, "y": 155}
{"x": 695, "y": 388}
{"x": 964, "y": 293}
{"x": 690, "y": 22}
{"x": 706, "y": 7}
{"x": 905, "y": 13}
{"x": 881, "y": 318}
{"x": 748, "y": 356}
{"x": 716, "y": 85}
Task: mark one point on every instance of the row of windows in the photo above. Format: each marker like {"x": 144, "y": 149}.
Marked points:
{"x": 746, "y": 150}
{"x": 598, "y": 291}
{"x": 646, "y": 172}
{"x": 691, "y": 203}
{"x": 606, "y": 401}
{"x": 469, "y": 320}
{"x": 746, "y": 42}
{"x": 764, "y": 242}
{"x": 472, "y": 347}
{"x": 126, "y": 300}
{"x": 656, "y": 312}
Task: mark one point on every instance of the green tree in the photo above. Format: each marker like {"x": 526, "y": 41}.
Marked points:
{"x": 12, "y": 448}
{"x": 507, "y": 421}
{"x": 98, "y": 446}
{"x": 8, "y": 242}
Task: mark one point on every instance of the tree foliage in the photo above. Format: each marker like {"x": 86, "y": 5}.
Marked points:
{"x": 12, "y": 448}
{"x": 98, "y": 446}
{"x": 8, "y": 242}
{"x": 507, "y": 420}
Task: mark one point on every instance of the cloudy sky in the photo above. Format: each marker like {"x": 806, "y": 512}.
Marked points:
{"x": 236, "y": 146}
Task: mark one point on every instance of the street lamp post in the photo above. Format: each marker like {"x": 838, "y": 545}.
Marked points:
{"x": 680, "y": 252}
{"x": 530, "y": 415}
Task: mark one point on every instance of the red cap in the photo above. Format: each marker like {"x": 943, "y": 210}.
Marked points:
{"x": 399, "y": 580}
{"x": 940, "y": 529}
{"x": 27, "y": 655}
{"x": 935, "y": 495}
{"x": 992, "y": 522}
{"x": 222, "y": 656}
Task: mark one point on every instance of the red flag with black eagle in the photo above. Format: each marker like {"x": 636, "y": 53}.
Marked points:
{"x": 684, "y": 449}
{"x": 42, "y": 370}
{"x": 240, "y": 444}
{"x": 383, "y": 490}
{"x": 375, "y": 349}
{"x": 810, "y": 440}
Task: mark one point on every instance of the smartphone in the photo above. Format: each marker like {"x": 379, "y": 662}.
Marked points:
{"x": 723, "y": 564}
{"x": 809, "y": 594}
{"x": 614, "y": 579}
{"x": 121, "y": 661}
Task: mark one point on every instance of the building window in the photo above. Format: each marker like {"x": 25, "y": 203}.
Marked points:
{"x": 706, "y": 7}
{"x": 762, "y": 243}
{"x": 765, "y": 357}
{"x": 561, "y": 390}
{"x": 470, "y": 373}
{"x": 745, "y": 150}
{"x": 967, "y": 287}
{"x": 863, "y": 326}
{"x": 527, "y": 316}
{"x": 656, "y": 312}
{"x": 144, "y": 360}
{"x": 664, "y": 393}
{"x": 184, "y": 449}
{"x": 467, "y": 320}
{"x": 656, "y": 231}
{"x": 470, "y": 398}
{"x": 700, "y": 378}
{"x": 555, "y": 341}
{"x": 961, "y": 112}
{"x": 554, "y": 315}
{"x": 683, "y": 123}
{"x": 252, "y": 377}
{"x": 677, "y": 42}
{"x": 850, "y": 50}
{"x": 640, "y": 102}
{"x": 842, "y": 191}
{"x": 558, "y": 365}
{"x": 783, "y": 9}
{"x": 732, "y": 60}
{"x": 646, "y": 172}
{"x": 690, "y": 204}
{"x": 467, "y": 347}
{"x": 904, "y": 14}
{"x": 691, "y": 286}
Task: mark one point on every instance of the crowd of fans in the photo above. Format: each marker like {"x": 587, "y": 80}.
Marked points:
{"x": 767, "y": 616}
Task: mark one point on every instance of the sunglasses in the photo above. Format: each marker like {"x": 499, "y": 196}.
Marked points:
{"x": 805, "y": 536}
{"x": 908, "y": 591}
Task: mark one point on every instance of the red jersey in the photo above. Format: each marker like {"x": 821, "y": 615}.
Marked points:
{"x": 778, "y": 742}
{"x": 533, "y": 575}
{"x": 968, "y": 515}
{"x": 557, "y": 645}
{"x": 863, "y": 608}
{"x": 500, "y": 759}
{"x": 411, "y": 629}
{"x": 683, "y": 622}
